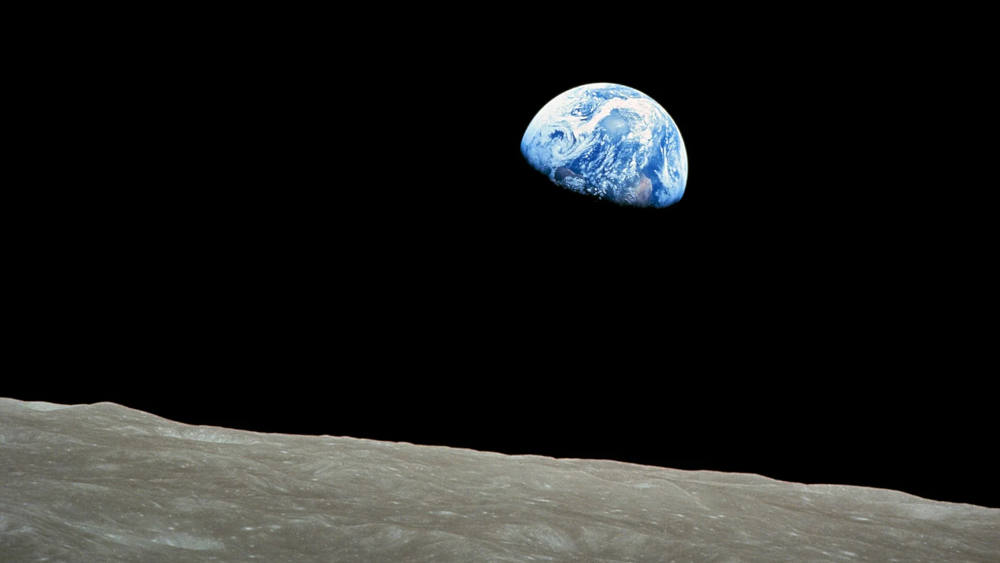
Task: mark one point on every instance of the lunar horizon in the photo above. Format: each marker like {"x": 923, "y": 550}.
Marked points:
{"x": 104, "y": 482}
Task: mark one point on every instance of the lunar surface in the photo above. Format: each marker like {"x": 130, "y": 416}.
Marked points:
{"x": 104, "y": 482}
{"x": 611, "y": 142}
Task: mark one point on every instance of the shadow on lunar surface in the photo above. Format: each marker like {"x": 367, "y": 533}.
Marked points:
{"x": 102, "y": 482}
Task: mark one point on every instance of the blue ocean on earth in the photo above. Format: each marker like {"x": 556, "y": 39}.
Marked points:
{"x": 611, "y": 142}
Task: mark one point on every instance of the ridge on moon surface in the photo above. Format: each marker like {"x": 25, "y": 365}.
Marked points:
{"x": 611, "y": 142}
{"x": 104, "y": 482}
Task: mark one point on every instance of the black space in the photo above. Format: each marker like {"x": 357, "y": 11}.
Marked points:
{"x": 324, "y": 225}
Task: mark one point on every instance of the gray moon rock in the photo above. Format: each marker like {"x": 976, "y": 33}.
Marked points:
{"x": 104, "y": 482}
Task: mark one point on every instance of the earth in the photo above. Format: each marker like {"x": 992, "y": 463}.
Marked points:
{"x": 611, "y": 142}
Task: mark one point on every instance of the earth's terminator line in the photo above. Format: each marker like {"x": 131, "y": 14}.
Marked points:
{"x": 609, "y": 141}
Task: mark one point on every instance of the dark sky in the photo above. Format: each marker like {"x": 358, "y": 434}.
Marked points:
{"x": 289, "y": 227}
